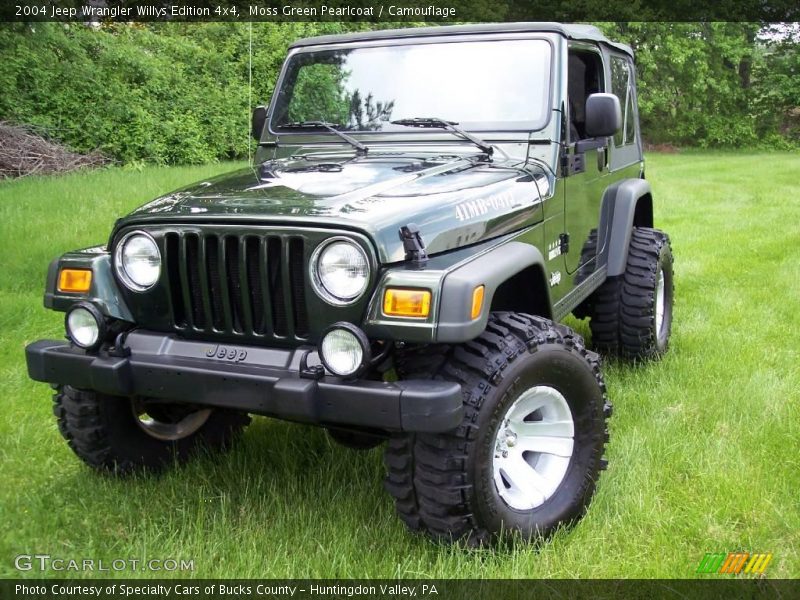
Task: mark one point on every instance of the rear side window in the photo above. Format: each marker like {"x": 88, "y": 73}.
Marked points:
{"x": 622, "y": 87}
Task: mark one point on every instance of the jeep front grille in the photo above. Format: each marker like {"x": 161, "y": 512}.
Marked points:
{"x": 249, "y": 284}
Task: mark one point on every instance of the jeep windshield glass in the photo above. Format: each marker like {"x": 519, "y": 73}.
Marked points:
{"x": 482, "y": 85}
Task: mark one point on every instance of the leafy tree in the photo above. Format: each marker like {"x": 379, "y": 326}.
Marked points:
{"x": 776, "y": 85}
{"x": 180, "y": 92}
{"x": 711, "y": 84}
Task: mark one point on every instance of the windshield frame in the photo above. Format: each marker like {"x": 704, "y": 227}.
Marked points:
{"x": 530, "y": 127}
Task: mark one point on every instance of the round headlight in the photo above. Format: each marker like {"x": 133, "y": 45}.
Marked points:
{"x": 340, "y": 271}
{"x": 85, "y": 326}
{"x": 344, "y": 350}
{"x": 138, "y": 261}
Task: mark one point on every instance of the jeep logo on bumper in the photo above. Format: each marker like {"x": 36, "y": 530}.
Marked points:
{"x": 224, "y": 353}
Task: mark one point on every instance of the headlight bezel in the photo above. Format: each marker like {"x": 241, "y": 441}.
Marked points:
{"x": 316, "y": 279}
{"x": 119, "y": 266}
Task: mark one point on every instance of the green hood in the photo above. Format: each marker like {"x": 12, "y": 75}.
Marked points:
{"x": 455, "y": 200}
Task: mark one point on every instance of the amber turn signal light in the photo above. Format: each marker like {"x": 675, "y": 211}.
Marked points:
{"x": 406, "y": 303}
{"x": 74, "y": 280}
{"x": 477, "y": 302}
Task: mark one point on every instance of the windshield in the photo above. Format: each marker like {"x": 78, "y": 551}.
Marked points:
{"x": 485, "y": 85}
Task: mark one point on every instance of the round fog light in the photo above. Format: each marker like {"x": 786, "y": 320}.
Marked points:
{"x": 85, "y": 326}
{"x": 344, "y": 350}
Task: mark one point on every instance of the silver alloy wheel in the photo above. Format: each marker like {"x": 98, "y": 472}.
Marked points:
{"x": 660, "y": 302}
{"x": 533, "y": 448}
{"x": 166, "y": 431}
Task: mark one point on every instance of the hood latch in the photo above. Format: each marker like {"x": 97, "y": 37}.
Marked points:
{"x": 413, "y": 245}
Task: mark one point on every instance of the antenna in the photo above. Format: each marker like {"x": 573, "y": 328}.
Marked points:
{"x": 250, "y": 95}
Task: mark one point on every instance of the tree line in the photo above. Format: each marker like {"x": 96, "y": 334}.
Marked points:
{"x": 179, "y": 93}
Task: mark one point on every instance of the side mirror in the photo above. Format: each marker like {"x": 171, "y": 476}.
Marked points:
{"x": 258, "y": 121}
{"x": 603, "y": 115}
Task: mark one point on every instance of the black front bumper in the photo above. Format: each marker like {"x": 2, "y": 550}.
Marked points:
{"x": 254, "y": 379}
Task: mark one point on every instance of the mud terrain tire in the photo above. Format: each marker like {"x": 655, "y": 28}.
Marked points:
{"x": 448, "y": 486}
{"x": 625, "y": 319}
{"x": 105, "y": 433}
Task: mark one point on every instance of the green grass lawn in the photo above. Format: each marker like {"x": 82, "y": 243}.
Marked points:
{"x": 703, "y": 454}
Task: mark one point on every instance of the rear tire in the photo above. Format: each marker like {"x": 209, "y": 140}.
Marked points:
{"x": 113, "y": 434}
{"x": 631, "y": 315}
{"x": 460, "y": 485}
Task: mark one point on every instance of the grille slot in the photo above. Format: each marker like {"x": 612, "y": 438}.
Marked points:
{"x": 297, "y": 274}
{"x": 237, "y": 284}
{"x": 275, "y": 284}
{"x": 172, "y": 245}
{"x": 193, "y": 271}
{"x": 256, "y": 285}
{"x": 234, "y": 276}
{"x": 214, "y": 283}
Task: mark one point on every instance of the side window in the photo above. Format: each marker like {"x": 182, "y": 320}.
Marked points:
{"x": 584, "y": 77}
{"x": 622, "y": 87}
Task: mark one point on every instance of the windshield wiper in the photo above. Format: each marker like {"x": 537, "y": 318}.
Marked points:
{"x": 452, "y": 126}
{"x": 362, "y": 149}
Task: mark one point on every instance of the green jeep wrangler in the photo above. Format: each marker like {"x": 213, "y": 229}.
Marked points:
{"x": 424, "y": 207}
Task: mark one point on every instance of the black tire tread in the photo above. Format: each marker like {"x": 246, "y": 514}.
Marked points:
{"x": 82, "y": 423}
{"x": 622, "y": 316}
{"x": 426, "y": 472}
{"x": 79, "y": 421}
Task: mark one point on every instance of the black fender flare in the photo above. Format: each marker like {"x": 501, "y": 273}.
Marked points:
{"x": 619, "y": 215}
{"x": 491, "y": 270}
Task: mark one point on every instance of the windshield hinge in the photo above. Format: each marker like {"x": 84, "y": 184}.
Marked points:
{"x": 413, "y": 245}
{"x": 572, "y": 164}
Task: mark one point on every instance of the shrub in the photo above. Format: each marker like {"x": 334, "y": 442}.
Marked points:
{"x": 171, "y": 93}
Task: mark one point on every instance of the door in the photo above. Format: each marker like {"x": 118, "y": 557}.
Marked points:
{"x": 586, "y": 172}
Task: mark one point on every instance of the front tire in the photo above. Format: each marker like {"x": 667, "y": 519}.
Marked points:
{"x": 529, "y": 452}
{"x": 121, "y": 435}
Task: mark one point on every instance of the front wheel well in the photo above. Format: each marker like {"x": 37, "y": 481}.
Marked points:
{"x": 524, "y": 292}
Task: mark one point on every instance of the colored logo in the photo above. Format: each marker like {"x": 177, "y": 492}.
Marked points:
{"x": 734, "y": 563}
